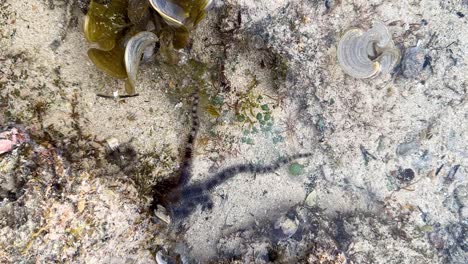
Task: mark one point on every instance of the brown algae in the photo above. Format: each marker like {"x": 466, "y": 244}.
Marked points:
{"x": 115, "y": 28}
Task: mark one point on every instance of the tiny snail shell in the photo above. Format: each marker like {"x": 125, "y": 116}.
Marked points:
{"x": 366, "y": 54}
{"x": 133, "y": 52}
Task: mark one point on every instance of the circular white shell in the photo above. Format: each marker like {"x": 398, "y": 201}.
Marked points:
{"x": 365, "y": 54}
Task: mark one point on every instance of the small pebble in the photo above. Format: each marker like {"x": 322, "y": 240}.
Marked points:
{"x": 287, "y": 225}
{"x": 329, "y": 4}
{"x": 258, "y": 42}
{"x": 312, "y": 199}
{"x": 405, "y": 175}
{"x": 413, "y": 62}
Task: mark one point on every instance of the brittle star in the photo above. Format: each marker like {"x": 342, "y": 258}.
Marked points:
{"x": 181, "y": 199}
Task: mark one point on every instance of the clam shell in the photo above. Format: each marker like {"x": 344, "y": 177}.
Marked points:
{"x": 366, "y": 54}
{"x": 133, "y": 52}
{"x": 10, "y": 138}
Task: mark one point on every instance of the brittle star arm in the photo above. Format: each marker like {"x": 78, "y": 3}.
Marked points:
{"x": 199, "y": 194}
{"x": 186, "y": 168}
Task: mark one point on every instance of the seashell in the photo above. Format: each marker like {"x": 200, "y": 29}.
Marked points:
{"x": 162, "y": 214}
{"x": 134, "y": 51}
{"x": 312, "y": 199}
{"x": 181, "y": 12}
{"x": 366, "y": 54}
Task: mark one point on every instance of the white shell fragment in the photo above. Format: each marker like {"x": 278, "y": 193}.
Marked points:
{"x": 134, "y": 50}
{"x": 162, "y": 214}
{"x": 366, "y": 54}
{"x": 112, "y": 144}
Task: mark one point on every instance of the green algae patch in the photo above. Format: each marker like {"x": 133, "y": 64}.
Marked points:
{"x": 295, "y": 169}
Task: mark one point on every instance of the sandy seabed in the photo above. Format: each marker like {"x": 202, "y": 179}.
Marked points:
{"x": 387, "y": 181}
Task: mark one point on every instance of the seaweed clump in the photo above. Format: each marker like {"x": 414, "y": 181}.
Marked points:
{"x": 115, "y": 27}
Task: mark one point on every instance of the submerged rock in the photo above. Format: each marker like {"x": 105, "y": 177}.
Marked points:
{"x": 413, "y": 62}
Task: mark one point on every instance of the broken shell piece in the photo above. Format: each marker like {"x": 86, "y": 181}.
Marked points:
{"x": 162, "y": 214}
{"x": 134, "y": 50}
{"x": 112, "y": 144}
{"x": 366, "y": 54}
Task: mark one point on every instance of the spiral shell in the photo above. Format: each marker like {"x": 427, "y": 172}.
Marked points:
{"x": 366, "y": 54}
